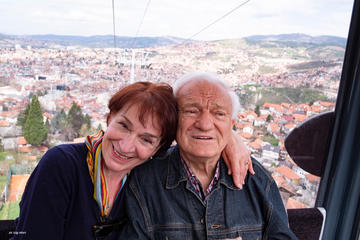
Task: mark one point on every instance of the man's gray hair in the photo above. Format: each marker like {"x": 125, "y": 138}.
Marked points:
{"x": 210, "y": 77}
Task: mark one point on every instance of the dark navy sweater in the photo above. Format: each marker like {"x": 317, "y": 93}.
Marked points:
{"x": 58, "y": 200}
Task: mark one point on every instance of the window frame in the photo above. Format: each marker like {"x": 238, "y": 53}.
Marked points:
{"x": 339, "y": 190}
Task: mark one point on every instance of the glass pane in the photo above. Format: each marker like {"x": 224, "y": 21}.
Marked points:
{"x": 283, "y": 58}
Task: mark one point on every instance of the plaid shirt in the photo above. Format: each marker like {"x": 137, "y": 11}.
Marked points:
{"x": 196, "y": 183}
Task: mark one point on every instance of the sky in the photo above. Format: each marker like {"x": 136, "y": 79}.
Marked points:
{"x": 183, "y": 18}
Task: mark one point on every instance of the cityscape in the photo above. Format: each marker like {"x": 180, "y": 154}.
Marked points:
{"x": 280, "y": 84}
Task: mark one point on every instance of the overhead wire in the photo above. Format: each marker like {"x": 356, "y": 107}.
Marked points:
{"x": 114, "y": 23}
{"x": 113, "y": 10}
{"x": 141, "y": 22}
{"x": 217, "y": 20}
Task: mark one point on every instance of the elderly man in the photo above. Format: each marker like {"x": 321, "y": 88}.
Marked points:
{"x": 188, "y": 194}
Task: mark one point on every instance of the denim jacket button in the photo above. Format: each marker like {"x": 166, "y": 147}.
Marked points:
{"x": 215, "y": 226}
{"x": 202, "y": 220}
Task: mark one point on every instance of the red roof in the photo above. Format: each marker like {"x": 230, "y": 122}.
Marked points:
{"x": 285, "y": 105}
{"x": 48, "y": 115}
{"x": 287, "y": 172}
{"x": 266, "y": 105}
{"x": 30, "y": 158}
{"x": 315, "y": 108}
{"x": 312, "y": 178}
{"x": 277, "y": 107}
{"x": 239, "y": 125}
{"x": 42, "y": 148}
{"x": 255, "y": 145}
{"x": 299, "y": 117}
{"x": 259, "y": 141}
{"x": 251, "y": 113}
{"x": 274, "y": 127}
{"x": 21, "y": 141}
{"x": 292, "y": 203}
{"x": 9, "y": 114}
{"x": 4, "y": 123}
{"x": 279, "y": 180}
{"x": 290, "y": 125}
{"x": 25, "y": 149}
{"x": 326, "y": 104}
{"x": 245, "y": 135}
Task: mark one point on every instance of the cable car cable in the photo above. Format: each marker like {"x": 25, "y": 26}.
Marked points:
{"x": 141, "y": 22}
{"x": 114, "y": 23}
{"x": 217, "y": 20}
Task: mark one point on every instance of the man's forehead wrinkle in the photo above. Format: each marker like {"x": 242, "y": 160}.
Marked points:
{"x": 203, "y": 92}
{"x": 207, "y": 104}
{"x": 207, "y": 94}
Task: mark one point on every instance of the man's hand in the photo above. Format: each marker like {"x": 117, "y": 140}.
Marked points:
{"x": 237, "y": 159}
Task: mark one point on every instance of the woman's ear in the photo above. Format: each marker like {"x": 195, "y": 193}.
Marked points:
{"x": 108, "y": 119}
{"x": 156, "y": 150}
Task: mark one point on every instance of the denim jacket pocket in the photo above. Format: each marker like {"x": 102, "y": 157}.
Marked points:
{"x": 249, "y": 234}
{"x": 172, "y": 233}
{"x": 254, "y": 235}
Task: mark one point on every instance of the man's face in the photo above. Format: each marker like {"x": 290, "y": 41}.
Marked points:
{"x": 204, "y": 120}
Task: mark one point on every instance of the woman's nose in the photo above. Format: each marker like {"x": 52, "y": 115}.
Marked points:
{"x": 127, "y": 144}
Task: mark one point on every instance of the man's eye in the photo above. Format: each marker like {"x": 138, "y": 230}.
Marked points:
{"x": 220, "y": 114}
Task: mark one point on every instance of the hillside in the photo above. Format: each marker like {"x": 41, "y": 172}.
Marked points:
{"x": 107, "y": 41}
{"x": 299, "y": 38}
{"x": 104, "y": 41}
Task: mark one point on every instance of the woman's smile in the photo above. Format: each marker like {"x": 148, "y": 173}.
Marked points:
{"x": 121, "y": 156}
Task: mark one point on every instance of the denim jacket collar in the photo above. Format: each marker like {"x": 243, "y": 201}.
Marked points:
{"x": 177, "y": 174}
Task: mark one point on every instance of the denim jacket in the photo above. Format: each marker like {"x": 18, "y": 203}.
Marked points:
{"x": 161, "y": 203}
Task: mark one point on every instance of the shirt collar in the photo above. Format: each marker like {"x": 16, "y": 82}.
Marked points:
{"x": 176, "y": 172}
{"x": 203, "y": 193}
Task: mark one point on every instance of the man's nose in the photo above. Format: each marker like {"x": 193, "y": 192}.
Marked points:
{"x": 204, "y": 121}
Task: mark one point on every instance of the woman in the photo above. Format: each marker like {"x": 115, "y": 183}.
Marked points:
{"x": 75, "y": 191}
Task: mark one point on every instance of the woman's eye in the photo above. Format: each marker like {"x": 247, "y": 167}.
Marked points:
{"x": 147, "y": 141}
{"x": 191, "y": 111}
{"x": 123, "y": 125}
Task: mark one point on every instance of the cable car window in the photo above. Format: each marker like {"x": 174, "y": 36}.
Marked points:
{"x": 283, "y": 58}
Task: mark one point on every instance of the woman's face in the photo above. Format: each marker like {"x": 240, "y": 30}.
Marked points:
{"x": 127, "y": 143}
